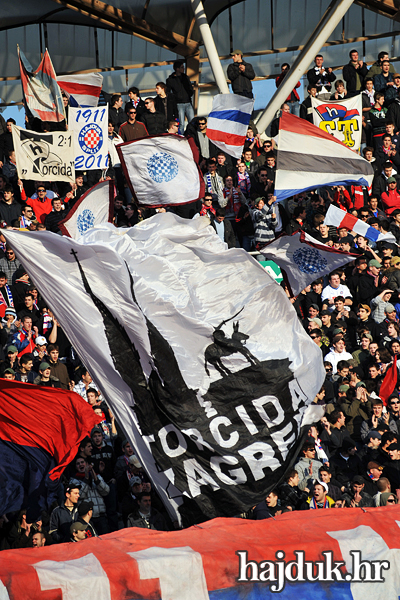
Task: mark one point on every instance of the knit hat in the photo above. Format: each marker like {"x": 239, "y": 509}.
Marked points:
{"x": 374, "y": 263}
{"x": 11, "y": 311}
{"x": 135, "y": 481}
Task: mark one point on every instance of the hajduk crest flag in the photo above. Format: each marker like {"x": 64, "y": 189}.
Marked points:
{"x": 303, "y": 259}
{"x": 44, "y": 156}
{"x": 42, "y": 95}
{"x": 83, "y": 90}
{"x": 93, "y": 208}
{"x": 198, "y": 352}
{"x": 162, "y": 170}
{"x": 340, "y": 118}
{"x": 228, "y": 122}
{"x": 309, "y": 158}
{"x": 340, "y": 218}
{"x": 90, "y": 128}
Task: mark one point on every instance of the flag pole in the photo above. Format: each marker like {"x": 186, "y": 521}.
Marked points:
{"x": 209, "y": 44}
{"x": 333, "y": 14}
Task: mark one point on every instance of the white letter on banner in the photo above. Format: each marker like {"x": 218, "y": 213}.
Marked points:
{"x": 179, "y": 571}
{"x": 78, "y": 579}
{"x": 259, "y": 456}
{"x": 192, "y": 470}
{"x": 172, "y": 452}
{"x": 233, "y": 437}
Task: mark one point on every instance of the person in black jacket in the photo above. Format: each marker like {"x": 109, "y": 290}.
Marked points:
{"x": 320, "y": 77}
{"x": 165, "y": 103}
{"x": 154, "y": 121}
{"x": 116, "y": 114}
{"x": 58, "y": 213}
{"x": 10, "y": 210}
{"x": 354, "y": 74}
{"x": 179, "y": 84}
{"x": 240, "y": 74}
{"x": 223, "y": 228}
{"x": 135, "y": 102}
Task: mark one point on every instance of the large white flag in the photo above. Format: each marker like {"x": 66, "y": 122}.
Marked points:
{"x": 44, "y": 156}
{"x": 340, "y": 118}
{"x": 162, "y": 170}
{"x": 303, "y": 259}
{"x": 94, "y": 207}
{"x": 199, "y": 353}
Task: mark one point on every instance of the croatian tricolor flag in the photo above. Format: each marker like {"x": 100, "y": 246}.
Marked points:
{"x": 309, "y": 158}
{"x": 82, "y": 90}
{"x": 228, "y": 122}
{"x": 340, "y": 218}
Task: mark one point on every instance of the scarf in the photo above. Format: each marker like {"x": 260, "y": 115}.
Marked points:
{"x": 370, "y": 96}
{"x": 205, "y": 210}
{"x": 234, "y": 203}
{"x": 9, "y": 297}
{"x": 24, "y": 222}
{"x": 217, "y": 184}
{"x": 244, "y": 183}
{"x": 314, "y": 505}
{"x": 47, "y": 323}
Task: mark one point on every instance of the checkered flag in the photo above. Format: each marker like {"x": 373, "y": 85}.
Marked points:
{"x": 302, "y": 259}
{"x": 162, "y": 170}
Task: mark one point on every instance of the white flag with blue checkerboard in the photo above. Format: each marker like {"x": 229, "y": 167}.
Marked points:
{"x": 303, "y": 259}
{"x": 162, "y": 170}
{"x": 95, "y": 207}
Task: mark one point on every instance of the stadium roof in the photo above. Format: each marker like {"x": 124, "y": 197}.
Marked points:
{"x": 135, "y": 41}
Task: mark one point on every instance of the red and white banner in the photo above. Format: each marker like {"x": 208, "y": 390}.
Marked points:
{"x": 83, "y": 90}
{"x": 351, "y": 554}
{"x": 303, "y": 259}
{"x": 94, "y": 207}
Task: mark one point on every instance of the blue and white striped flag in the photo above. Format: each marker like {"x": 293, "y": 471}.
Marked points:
{"x": 228, "y": 122}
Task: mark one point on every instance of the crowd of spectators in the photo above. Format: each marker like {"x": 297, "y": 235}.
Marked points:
{"x": 352, "y": 456}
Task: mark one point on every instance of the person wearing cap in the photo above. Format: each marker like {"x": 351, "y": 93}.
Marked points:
{"x": 85, "y": 514}
{"x": 357, "y": 497}
{"x": 240, "y": 74}
{"x": 78, "y": 531}
{"x": 307, "y": 466}
{"x": 93, "y": 489}
{"x": 314, "y": 323}
{"x": 370, "y": 284}
{"x": 9, "y": 374}
{"x": 62, "y": 516}
{"x": 45, "y": 378}
{"x": 320, "y": 498}
{"x": 374, "y": 472}
{"x": 379, "y": 304}
{"x": 11, "y": 361}
{"x": 390, "y": 315}
{"x": 391, "y": 197}
{"x": 40, "y": 352}
{"x": 129, "y": 500}
{"x": 371, "y": 451}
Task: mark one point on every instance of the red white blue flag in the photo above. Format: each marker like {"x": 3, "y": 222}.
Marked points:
{"x": 42, "y": 94}
{"x": 310, "y": 158}
{"x": 324, "y": 554}
{"x": 94, "y": 207}
{"x": 340, "y": 218}
{"x": 228, "y": 122}
{"x": 82, "y": 90}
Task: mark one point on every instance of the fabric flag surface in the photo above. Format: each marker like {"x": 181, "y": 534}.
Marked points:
{"x": 44, "y": 156}
{"x": 201, "y": 357}
{"x": 309, "y": 158}
{"x": 303, "y": 259}
{"x": 340, "y": 218}
{"x": 340, "y": 118}
{"x": 311, "y": 554}
{"x": 94, "y": 207}
{"x": 162, "y": 170}
{"x": 40, "y": 428}
{"x": 42, "y": 94}
{"x": 89, "y": 127}
{"x": 389, "y": 382}
{"x": 228, "y": 121}
{"x": 83, "y": 90}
